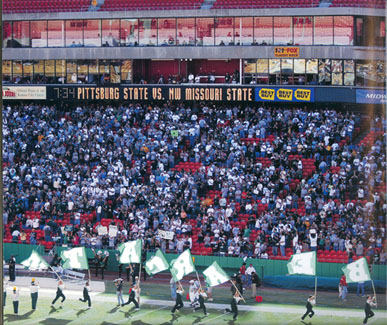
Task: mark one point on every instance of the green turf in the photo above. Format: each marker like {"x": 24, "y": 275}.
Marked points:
{"x": 106, "y": 312}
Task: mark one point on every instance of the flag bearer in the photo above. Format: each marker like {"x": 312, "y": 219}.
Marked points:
{"x": 34, "y": 288}
{"x": 86, "y": 296}
{"x": 368, "y": 312}
{"x": 132, "y": 297}
{"x": 202, "y": 296}
{"x": 234, "y": 305}
{"x": 15, "y": 298}
{"x": 179, "y": 299}
{"x": 59, "y": 293}
{"x": 309, "y": 307}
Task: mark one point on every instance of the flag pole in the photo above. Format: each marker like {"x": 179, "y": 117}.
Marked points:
{"x": 373, "y": 287}
{"x": 238, "y": 291}
{"x": 200, "y": 285}
{"x": 55, "y": 273}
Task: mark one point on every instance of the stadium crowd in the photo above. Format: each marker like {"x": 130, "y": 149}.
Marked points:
{"x": 250, "y": 181}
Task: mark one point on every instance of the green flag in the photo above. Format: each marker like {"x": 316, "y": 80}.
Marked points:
{"x": 357, "y": 271}
{"x": 182, "y": 266}
{"x": 156, "y": 263}
{"x": 130, "y": 252}
{"x": 75, "y": 258}
{"x": 303, "y": 263}
{"x": 35, "y": 262}
{"x": 215, "y": 275}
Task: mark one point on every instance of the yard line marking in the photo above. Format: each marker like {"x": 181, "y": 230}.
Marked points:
{"x": 289, "y": 321}
{"x": 139, "y": 315}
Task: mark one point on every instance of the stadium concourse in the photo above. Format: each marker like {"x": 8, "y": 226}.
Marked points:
{"x": 259, "y": 182}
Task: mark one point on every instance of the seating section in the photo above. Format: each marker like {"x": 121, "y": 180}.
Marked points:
{"x": 378, "y": 4}
{"x": 124, "y": 5}
{"x": 24, "y": 6}
{"x": 230, "y": 4}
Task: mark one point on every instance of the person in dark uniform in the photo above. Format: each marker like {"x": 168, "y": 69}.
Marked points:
{"x": 143, "y": 260}
{"x": 309, "y": 307}
{"x": 12, "y": 268}
{"x": 120, "y": 270}
{"x": 234, "y": 305}
{"x": 202, "y": 296}
{"x": 34, "y": 293}
{"x": 368, "y": 312}
{"x": 132, "y": 297}
{"x": 103, "y": 263}
{"x": 97, "y": 260}
{"x": 135, "y": 272}
{"x": 86, "y": 296}
{"x": 59, "y": 293}
{"x": 179, "y": 299}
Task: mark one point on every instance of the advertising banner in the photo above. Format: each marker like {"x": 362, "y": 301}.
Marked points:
{"x": 278, "y": 94}
{"x": 287, "y": 52}
{"x": 371, "y": 96}
{"x": 24, "y": 92}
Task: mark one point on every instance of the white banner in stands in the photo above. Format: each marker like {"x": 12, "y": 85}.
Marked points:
{"x": 102, "y": 231}
{"x": 166, "y": 234}
{"x": 113, "y": 231}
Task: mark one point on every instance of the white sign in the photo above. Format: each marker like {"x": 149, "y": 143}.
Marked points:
{"x": 27, "y": 92}
{"x": 166, "y": 234}
{"x": 102, "y": 231}
{"x": 113, "y": 231}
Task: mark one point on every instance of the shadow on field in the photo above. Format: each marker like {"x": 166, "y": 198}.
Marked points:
{"x": 56, "y": 321}
{"x": 139, "y": 322}
{"x": 107, "y": 323}
{"x": 14, "y": 318}
{"x": 198, "y": 319}
{"x": 82, "y": 311}
{"x": 112, "y": 311}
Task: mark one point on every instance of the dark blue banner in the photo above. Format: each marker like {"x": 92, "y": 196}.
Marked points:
{"x": 278, "y": 94}
{"x": 371, "y": 96}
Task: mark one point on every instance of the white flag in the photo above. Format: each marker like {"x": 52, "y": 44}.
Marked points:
{"x": 303, "y": 263}
{"x": 35, "y": 262}
{"x": 130, "y": 252}
{"x": 215, "y": 275}
{"x": 357, "y": 271}
{"x": 75, "y": 258}
{"x": 182, "y": 266}
{"x": 156, "y": 263}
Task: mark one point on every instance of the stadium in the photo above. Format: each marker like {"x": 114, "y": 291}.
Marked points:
{"x": 202, "y": 161}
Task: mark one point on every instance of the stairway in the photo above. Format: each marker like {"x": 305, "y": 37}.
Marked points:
{"x": 207, "y": 4}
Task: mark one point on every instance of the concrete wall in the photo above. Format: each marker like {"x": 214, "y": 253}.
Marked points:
{"x": 190, "y": 52}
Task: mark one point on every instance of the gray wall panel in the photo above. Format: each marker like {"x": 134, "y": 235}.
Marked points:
{"x": 211, "y": 52}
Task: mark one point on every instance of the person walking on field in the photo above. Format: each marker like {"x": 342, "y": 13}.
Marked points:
{"x": 234, "y": 305}
{"x": 202, "y": 296}
{"x": 132, "y": 297}
{"x": 179, "y": 299}
{"x": 371, "y": 302}
{"x": 86, "y": 296}
{"x": 34, "y": 293}
{"x": 309, "y": 307}
{"x": 118, "y": 283}
{"x": 59, "y": 293}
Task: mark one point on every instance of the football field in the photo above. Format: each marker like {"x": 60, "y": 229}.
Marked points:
{"x": 105, "y": 311}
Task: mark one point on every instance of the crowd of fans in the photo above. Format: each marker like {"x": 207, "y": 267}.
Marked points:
{"x": 120, "y": 163}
